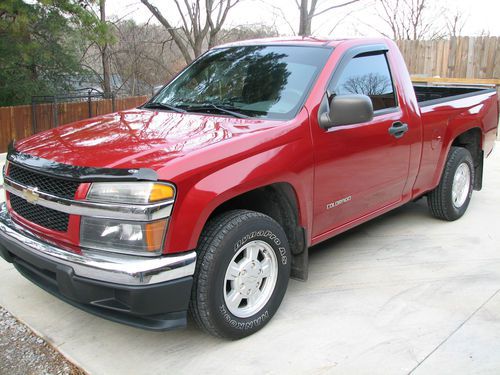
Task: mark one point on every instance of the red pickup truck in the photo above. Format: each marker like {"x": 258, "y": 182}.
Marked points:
{"x": 207, "y": 197}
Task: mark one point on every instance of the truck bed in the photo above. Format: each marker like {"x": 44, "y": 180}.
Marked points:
{"x": 446, "y": 110}
{"x": 429, "y": 95}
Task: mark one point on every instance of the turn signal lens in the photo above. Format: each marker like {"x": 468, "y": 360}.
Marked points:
{"x": 160, "y": 192}
{"x": 154, "y": 235}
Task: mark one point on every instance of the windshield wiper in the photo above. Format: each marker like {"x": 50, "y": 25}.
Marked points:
{"x": 218, "y": 108}
{"x": 153, "y": 105}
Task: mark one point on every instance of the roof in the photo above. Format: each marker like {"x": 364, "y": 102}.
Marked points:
{"x": 287, "y": 40}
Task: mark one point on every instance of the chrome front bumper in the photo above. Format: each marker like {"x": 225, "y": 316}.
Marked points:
{"x": 97, "y": 265}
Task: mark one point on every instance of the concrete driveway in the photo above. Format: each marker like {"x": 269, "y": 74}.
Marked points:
{"x": 402, "y": 294}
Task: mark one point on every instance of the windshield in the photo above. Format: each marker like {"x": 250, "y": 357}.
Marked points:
{"x": 246, "y": 81}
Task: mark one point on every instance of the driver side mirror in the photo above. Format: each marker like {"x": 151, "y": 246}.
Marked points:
{"x": 347, "y": 110}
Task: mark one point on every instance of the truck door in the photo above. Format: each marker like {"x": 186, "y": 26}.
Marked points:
{"x": 360, "y": 168}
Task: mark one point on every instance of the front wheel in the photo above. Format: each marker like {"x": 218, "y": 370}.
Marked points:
{"x": 241, "y": 273}
{"x": 450, "y": 199}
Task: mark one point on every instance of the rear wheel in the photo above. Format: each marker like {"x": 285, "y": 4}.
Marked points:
{"x": 450, "y": 199}
{"x": 241, "y": 274}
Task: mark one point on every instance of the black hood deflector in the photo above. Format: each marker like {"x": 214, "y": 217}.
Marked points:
{"x": 76, "y": 173}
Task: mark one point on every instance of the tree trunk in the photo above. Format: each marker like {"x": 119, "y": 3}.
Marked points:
{"x": 190, "y": 37}
{"x": 106, "y": 66}
{"x": 171, "y": 30}
{"x": 305, "y": 20}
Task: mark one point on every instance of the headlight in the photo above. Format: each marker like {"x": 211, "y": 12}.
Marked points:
{"x": 130, "y": 237}
{"x": 126, "y": 236}
{"x": 130, "y": 192}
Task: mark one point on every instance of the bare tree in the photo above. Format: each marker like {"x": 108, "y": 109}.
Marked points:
{"x": 246, "y": 32}
{"x": 106, "y": 67}
{"x": 312, "y": 8}
{"x": 455, "y": 23}
{"x": 371, "y": 84}
{"x": 100, "y": 40}
{"x": 143, "y": 56}
{"x": 202, "y": 20}
{"x": 410, "y": 19}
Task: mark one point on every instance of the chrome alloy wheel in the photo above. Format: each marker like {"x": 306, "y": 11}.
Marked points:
{"x": 461, "y": 185}
{"x": 250, "y": 279}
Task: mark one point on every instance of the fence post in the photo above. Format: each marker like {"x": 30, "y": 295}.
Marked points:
{"x": 55, "y": 109}
{"x": 113, "y": 104}
{"x": 33, "y": 115}
{"x": 90, "y": 105}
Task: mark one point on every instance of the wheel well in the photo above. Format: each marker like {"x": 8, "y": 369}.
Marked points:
{"x": 279, "y": 202}
{"x": 471, "y": 140}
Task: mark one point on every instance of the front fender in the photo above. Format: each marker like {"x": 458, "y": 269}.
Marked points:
{"x": 291, "y": 163}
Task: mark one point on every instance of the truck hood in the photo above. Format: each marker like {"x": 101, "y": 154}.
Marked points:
{"x": 135, "y": 138}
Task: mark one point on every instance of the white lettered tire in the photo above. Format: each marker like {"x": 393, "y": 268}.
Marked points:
{"x": 241, "y": 275}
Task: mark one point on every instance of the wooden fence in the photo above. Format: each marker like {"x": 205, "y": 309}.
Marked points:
{"x": 463, "y": 57}
{"x": 17, "y": 122}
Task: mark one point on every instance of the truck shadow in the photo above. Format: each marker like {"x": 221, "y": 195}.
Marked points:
{"x": 329, "y": 251}
{"x": 391, "y": 220}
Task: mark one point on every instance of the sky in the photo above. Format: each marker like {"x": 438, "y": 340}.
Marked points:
{"x": 481, "y": 16}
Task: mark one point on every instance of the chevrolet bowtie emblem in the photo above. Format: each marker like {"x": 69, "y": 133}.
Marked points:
{"x": 31, "y": 194}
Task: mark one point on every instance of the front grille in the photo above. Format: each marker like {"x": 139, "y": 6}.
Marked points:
{"x": 51, "y": 185}
{"x": 46, "y": 217}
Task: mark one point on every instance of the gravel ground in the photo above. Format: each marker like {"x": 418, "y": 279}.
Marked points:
{"x": 24, "y": 353}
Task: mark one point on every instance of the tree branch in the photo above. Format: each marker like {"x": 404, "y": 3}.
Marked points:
{"x": 173, "y": 33}
{"x": 334, "y": 7}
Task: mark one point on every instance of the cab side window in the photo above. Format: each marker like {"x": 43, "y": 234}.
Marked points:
{"x": 368, "y": 75}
